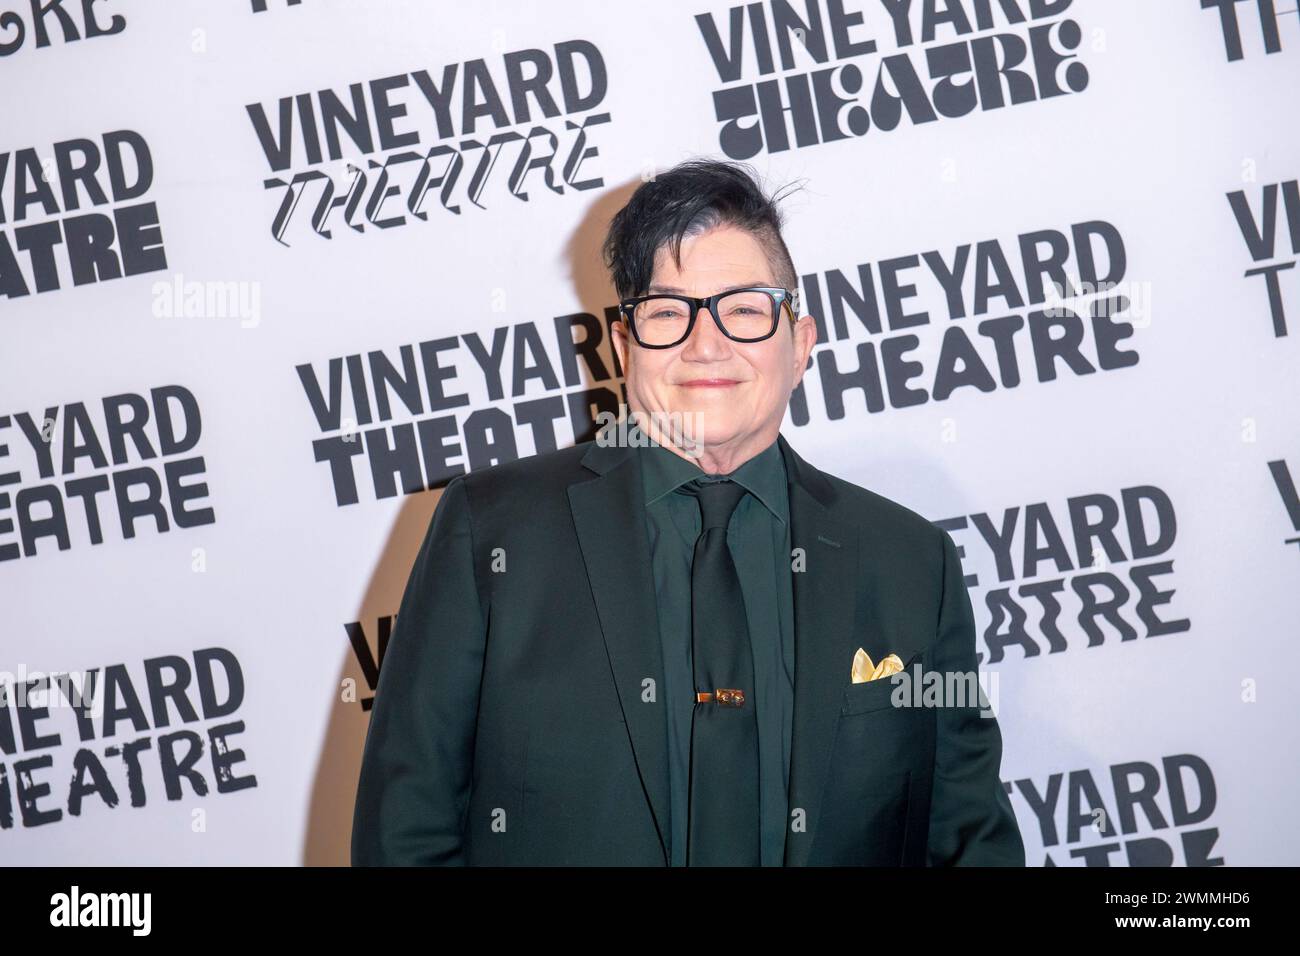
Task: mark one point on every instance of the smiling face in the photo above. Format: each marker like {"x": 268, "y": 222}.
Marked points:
{"x": 731, "y": 396}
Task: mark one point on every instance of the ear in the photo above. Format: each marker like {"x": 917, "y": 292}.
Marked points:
{"x": 618, "y": 334}
{"x": 805, "y": 337}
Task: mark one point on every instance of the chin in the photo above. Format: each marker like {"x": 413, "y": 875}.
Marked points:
{"x": 715, "y": 435}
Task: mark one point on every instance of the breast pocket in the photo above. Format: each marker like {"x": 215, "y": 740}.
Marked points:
{"x": 873, "y": 695}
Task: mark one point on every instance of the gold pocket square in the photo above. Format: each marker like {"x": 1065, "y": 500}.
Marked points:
{"x": 865, "y": 670}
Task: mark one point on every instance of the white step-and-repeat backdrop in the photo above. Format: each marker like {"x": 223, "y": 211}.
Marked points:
{"x": 272, "y": 272}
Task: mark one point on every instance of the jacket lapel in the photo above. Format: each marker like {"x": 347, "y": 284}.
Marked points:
{"x": 824, "y": 604}
{"x": 609, "y": 516}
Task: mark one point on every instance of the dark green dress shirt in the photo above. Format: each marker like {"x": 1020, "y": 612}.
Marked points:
{"x": 759, "y": 539}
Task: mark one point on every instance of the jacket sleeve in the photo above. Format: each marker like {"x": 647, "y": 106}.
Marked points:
{"x": 971, "y": 820}
{"x": 414, "y": 788}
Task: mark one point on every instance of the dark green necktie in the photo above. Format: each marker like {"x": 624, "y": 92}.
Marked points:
{"x": 724, "y": 785}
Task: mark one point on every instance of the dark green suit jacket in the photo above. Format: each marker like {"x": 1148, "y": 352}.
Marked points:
{"x": 518, "y": 717}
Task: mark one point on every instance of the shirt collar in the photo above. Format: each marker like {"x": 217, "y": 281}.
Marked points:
{"x": 763, "y": 476}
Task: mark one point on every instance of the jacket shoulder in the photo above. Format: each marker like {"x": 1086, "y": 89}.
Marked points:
{"x": 873, "y": 508}
{"x": 532, "y": 476}
{"x": 908, "y": 543}
{"x": 907, "y": 539}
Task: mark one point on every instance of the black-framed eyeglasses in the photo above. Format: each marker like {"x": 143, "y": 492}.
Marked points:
{"x": 742, "y": 315}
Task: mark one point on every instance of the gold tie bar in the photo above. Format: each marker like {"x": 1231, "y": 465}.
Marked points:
{"x": 722, "y": 695}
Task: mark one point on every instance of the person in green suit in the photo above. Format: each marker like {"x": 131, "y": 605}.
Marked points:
{"x": 679, "y": 643}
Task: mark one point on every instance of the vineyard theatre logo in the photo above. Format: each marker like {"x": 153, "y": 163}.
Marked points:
{"x": 45, "y": 232}
{"x": 423, "y": 133}
{"x": 1286, "y": 489}
{"x": 1262, "y": 20}
{"x": 1087, "y": 567}
{"x": 1136, "y": 814}
{"x": 836, "y": 73}
{"x": 402, "y": 420}
{"x": 118, "y": 717}
{"x": 92, "y": 473}
{"x": 56, "y": 20}
{"x": 984, "y": 321}
{"x": 1260, "y": 233}
{"x": 76, "y": 908}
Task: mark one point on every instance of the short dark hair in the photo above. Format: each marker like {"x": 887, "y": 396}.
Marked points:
{"x": 691, "y": 198}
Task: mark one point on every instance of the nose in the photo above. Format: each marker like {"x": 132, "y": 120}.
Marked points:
{"x": 706, "y": 343}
